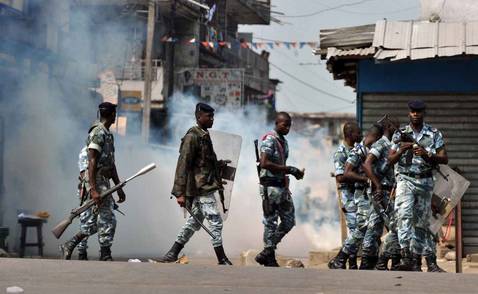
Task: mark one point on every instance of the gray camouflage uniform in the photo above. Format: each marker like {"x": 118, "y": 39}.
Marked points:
{"x": 377, "y": 219}
{"x": 354, "y": 241}
{"x": 414, "y": 190}
{"x": 102, "y": 218}
{"x": 82, "y": 166}
{"x": 346, "y": 190}
{"x": 274, "y": 190}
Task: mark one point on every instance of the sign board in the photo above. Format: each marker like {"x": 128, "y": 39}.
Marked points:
{"x": 219, "y": 86}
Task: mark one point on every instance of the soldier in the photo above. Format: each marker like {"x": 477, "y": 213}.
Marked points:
{"x": 354, "y": 173}
{"x": 381, "y": 174}
{"x": 352, "y": 135}
{"x": 197, "y": 179}
{"x": 417, "y": 149}
{"x": 274, "y": 188}
{"x": 101, "y": 168}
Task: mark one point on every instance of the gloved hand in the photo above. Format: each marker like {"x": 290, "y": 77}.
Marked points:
{"x": 297, "y": 173}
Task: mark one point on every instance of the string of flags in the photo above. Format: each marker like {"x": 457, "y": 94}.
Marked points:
{"x": 243, "y": 44}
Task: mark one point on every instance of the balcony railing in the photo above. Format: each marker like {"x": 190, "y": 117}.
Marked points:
{"x": 135, "y": 70}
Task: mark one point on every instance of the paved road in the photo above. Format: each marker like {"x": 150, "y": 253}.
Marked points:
{"x": 72, "y": 277}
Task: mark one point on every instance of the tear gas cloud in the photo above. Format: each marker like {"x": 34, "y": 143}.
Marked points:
{"x": 46, "y": 122}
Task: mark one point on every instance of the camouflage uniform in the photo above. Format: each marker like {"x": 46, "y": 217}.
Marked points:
{"x": 197, "y": 178}
{"x": 352, "y": 243}
{"x": 346, "y": 190}
{"x": 274, "y": 190}
{"x": 414, "y": 190}
{"x": 83, "y": 165}
{"x": 102, "y": 218}
{"x": 379, "y": 215}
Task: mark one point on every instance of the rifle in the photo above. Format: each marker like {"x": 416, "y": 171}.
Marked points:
{"x": 61, "y": 226}
{"x": 258, "y": 167}
{"x": 407, "y": 138}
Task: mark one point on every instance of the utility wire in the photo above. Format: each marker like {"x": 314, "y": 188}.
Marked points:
{"x": 311, "y": 86}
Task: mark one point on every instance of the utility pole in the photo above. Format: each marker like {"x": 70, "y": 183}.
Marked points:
{"x": 148, "y": 70}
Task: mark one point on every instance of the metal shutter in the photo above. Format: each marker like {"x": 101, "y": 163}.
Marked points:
{"x": 456, "y": 116}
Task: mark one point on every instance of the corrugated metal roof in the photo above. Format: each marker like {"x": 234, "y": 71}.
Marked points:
{"x": 335, "y": 52}
{"x": 419, "y": 40}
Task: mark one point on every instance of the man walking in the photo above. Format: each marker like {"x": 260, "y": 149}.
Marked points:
{"x": 417, "y": 149}
{"x": 198, "y": 177}
{"x": 352, "y": 136}
{"x": 274, "y": 188}
{"x": 101, "y": 169}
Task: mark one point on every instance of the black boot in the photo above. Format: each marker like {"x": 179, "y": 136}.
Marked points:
{"x": 395, "y": 266}
{"x": 82, "y": 255}
{"x": 105, "y": 253}
{"x": 417, "y": 262}
{"x": 353, "y": 262}
{"x": 221, "y": 256}
{"x": 382, "y": 264}
{"x": 67, "y": 248}
{"x": 339, "y": 261}
{"x": 267, "y": 257}
{"x": 368, "y": 262}
{"x": 407, "y": 263}
{"x": 172, "y": 254}
{"x": 432, "y": 264}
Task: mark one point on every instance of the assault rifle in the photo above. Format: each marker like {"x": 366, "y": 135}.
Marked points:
{"x": 61, "y": 226}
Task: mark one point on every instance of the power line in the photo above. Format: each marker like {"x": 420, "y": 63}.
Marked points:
{"x": 327, "y": 9}
{"x": 311, "y": 86}
{"x": 379, "y": 13}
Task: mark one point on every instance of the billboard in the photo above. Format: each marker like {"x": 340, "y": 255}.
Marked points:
{"x": 219, "y": 86}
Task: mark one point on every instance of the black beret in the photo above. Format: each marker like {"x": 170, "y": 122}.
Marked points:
{"x": 203, "y": 107}
{"x": 107, "y": 106}
{"x": 416, "y": 104}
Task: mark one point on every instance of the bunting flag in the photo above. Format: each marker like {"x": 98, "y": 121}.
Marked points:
{"x": 254, "y": 45}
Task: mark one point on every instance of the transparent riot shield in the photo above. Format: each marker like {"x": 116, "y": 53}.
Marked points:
{"x": 227, "y": 147}
{"x": 449, "y": 189}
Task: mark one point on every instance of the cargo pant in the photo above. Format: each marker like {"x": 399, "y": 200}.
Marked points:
{"x": 279, "y": 206}
{"x": 350, "y": 208}
{"x": 101, "y": 219}
{"x": 376, "y": 223}
{"x": 84, "y": 217}
{"x": 203, "y": 207}
{"x": 354, "y": 241}
{"x": 391, "y": 245}
{"x": 413, "y": 207}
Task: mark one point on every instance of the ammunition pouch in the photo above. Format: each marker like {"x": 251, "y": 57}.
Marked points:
{"x": 272, "y": 182}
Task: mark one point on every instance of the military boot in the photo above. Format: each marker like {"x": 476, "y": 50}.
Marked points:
{"x": 417, "y": 263}
{"x": 395, "y": 266}
{"x": 67, "y": 248}
{"x": 221, "y": 256}
{"x": 368, "y": 262}
{"x": 406, "y": 264}
{"x": 267, "y": 257}
{"x": 353, "y": 262}
{"x": 172, "y": 254}
{"x": 105, "y": 253}
{"x": 82, "y": 255}
{"x": 432, "y": 264}
{"x": 382, "y": 263}
{"x": 339, "y": 261}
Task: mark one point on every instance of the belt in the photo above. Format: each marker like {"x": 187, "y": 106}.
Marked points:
{"x": 419, "y": 176}
{"x": 272, "y": 182}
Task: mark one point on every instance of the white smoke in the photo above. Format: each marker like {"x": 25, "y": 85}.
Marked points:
{"x": 46, "y": 123}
